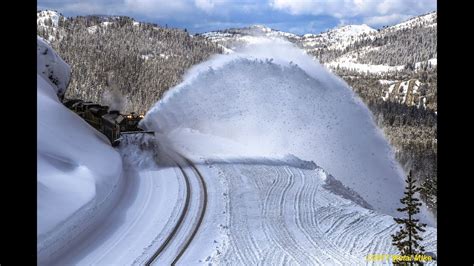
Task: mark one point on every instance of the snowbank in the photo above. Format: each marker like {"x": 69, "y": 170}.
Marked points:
{"x": 52, "y": 67}
{"x": 79, "y": 173}
{"x": 272, "y": 99}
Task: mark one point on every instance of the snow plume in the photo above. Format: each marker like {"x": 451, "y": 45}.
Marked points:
{"x": 271, "y": 99}
{"x": 113, "y": 97}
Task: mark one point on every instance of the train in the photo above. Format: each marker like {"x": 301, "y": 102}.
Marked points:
{"x": 111, "y": 123}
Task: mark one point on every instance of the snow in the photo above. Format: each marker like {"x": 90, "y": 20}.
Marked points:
{"x": 149, "y": 56}
{"x": 338, "y": 38}
{"x": 428, "y": 20}
{"x": 78, "y": 171}
{"x": 259, "y": 101}
{"x": 386, "y": 81}
{"x": 364, "y": 68}
{"x": 262, "y": 28}
{"x": 402, "y": 91}
{"x": 279, "y": 214}
{"x": 139, "y": 222}
{"x": 42, "y": 16}
{"x": 264, "y": 210}
{"x": 92, "y": 29}
{"x": 430, "y": 63}
{"x": 296, "y": 170}
{"x": 51, "y": 67}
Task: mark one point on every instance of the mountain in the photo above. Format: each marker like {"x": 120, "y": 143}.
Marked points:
{"x": 354, "y": 47}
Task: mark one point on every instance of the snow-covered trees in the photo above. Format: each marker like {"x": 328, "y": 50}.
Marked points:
{"x": 145, "y": 59}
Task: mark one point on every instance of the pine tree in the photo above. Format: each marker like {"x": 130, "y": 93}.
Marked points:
{"x": 407, "y": 239}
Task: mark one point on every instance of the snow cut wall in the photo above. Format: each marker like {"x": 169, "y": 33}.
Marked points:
{"x": 79, "y": 173}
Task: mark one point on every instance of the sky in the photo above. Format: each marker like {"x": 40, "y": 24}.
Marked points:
{"x": 296, "y": 16}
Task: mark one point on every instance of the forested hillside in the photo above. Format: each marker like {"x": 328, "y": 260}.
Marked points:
{"x": 119, "y": 55}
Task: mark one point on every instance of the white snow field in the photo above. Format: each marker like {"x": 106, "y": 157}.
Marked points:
{"x": 78, "y": 171}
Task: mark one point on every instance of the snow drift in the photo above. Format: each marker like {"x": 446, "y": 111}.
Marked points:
{"x": 78, "y": 171}
{"x": 271, "y": 99}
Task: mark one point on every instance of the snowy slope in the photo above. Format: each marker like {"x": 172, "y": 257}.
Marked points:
{"x": 338, "y": 38}
{"x": 78, "y": 171}
{"x": 232, "y": 39}
{"x": 45, "y": 15}
{"x": 48, "y": 21}
{"x": 274, "y": 101}
{"x": 409, "y": 92}
{"x": 52, "y": 68}
{"x": 427, "y": 20}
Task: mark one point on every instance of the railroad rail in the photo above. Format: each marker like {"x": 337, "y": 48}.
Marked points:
{"x": 185, "y": 211}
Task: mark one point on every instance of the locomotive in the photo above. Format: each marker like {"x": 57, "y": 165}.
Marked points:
{"x": 110, "y": 122}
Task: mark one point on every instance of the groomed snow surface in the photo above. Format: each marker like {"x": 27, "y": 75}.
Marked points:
{"x": 295, "y": 169}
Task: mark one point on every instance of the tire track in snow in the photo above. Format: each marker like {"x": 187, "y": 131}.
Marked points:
{"x": 240, "y": 235}
{"x": 303, "y": 210}
{"x": 310, "y": 226}
{"x": 298, "y": 207}
{"x": 275, "y": 221}
{"x": 303, "y": 222}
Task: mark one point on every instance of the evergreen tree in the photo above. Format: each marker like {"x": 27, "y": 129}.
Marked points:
{"x": 407, "y": 239}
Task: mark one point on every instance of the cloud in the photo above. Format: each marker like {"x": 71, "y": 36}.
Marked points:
{"x": 385, "y": 20}
{"x": 206, "y": 5}
{"x": 372, "y": 12}
{"x": 158, "y": 8}
{"x": 297, "y": 16}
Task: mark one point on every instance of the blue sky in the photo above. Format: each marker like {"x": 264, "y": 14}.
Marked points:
{"x": 297, "y": 16}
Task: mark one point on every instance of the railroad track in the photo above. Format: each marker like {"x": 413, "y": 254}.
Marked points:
{"x": 185, "y": 212}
